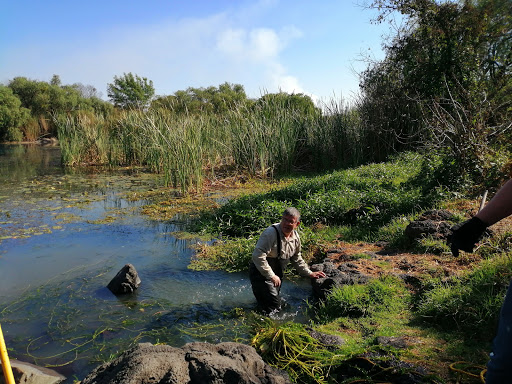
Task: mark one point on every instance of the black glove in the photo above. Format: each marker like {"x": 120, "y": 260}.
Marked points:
{"x": 465, "y": 235}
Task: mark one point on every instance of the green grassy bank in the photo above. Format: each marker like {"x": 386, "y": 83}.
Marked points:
{"x": 449, "y": 320}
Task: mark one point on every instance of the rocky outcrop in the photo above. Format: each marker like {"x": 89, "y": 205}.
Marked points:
{"x": 435, "y": 223}
{"x": 27, "y": 373}
{"x": 229, "y": 363}
{"x": 344, "y": 274}
{"x": 126, "y": 281}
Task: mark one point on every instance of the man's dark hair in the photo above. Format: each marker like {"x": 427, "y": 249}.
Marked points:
{"x": 291, "y": 211}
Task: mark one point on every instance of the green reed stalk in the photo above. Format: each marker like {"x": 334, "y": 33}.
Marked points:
{"x": 82, "y": 139}
{"x": 173, "y": 145}
{"x": 334, "y": 137}
{"x": 262, "y": 139}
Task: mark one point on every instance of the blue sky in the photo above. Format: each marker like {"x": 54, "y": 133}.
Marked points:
{"x": 300, "y": 46}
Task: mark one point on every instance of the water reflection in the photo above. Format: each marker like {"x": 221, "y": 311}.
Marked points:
{"x": 63, "y": 237}
{"x": 19, "y": 162}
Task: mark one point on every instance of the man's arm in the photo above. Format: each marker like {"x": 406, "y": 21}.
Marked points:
{"x": 302, "y": 267}
{"x": 499, "y": 207}
{"x": 464, "y": 236}
{"x": 260, "y": 253}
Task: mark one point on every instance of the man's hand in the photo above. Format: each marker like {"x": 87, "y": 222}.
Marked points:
{"x": 317, "y": 275}
{"x": 465, "y": 235}
{"x": 276, "y": 281}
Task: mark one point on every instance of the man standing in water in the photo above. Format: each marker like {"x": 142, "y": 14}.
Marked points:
{"x": 277, "y": 246}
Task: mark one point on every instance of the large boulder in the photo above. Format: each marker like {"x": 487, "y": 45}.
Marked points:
{"x": 126, "y": 281}
{"x": 27, "y": 373}
{"x": 223, "y": 363}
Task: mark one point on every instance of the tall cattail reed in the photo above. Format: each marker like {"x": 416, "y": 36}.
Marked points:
{"x": 265, "y": 138}
{"x": 83, "y": 139}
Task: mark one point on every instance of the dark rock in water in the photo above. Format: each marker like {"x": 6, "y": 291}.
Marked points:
{"x": 126, "y": 281}
{"x": 230, "y": 363}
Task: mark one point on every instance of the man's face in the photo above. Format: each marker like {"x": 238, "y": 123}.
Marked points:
{"x": 288, "y": 224}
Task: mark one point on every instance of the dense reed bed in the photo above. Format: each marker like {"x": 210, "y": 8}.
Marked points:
{"x": 264, "y": 139}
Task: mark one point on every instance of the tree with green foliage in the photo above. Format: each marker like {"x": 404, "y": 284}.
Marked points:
{"x": 46, "y": 101}
{"x": 131, "y": 91}
{"x": 445, "y": 80}
{"x": 12, "y": 115}
{"x": 292, "y": 101}
{"x": 212, "y": 99}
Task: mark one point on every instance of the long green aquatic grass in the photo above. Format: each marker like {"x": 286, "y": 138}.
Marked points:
{"x": 334, "y": 138}
{"x": 290, "y": 347}
{"x": 171, "y": 146}
{"x": 83, "y": 139}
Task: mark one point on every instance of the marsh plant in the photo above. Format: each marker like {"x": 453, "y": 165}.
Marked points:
{"x": 264, "y": 139}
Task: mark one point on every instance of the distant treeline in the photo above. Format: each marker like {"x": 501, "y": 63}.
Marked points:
{"x": 444, "y": 85}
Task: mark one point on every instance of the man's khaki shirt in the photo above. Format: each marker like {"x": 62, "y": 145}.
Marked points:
{"x": 290, "y": 252}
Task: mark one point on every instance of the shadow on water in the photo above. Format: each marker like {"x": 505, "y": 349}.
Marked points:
{"x": 64, "y": 236}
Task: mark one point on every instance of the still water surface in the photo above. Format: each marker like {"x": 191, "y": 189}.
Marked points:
{"x": 64, "y": 235}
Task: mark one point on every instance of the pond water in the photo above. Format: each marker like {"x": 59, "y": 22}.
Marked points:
{"x": 65, "y": 234}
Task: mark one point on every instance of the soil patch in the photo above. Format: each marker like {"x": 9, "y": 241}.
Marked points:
{"x": 373, "y": 260}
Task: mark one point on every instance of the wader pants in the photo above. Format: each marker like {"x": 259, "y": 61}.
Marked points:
{"x": 499, "y": 368}
{"x": 266, "y": 294}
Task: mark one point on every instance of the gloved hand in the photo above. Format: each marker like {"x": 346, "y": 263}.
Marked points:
{"x": 465, "y": 235}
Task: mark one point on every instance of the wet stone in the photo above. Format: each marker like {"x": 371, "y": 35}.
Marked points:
{"x": 126, "y": 281}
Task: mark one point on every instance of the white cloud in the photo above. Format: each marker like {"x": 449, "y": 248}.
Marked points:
{"x": 231, "y": 41}
{"x": 256, "y": 45}
{"x": 263, "y": 44}
{"x": 259, "y": 49}
{"x": 283, "y": 82}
